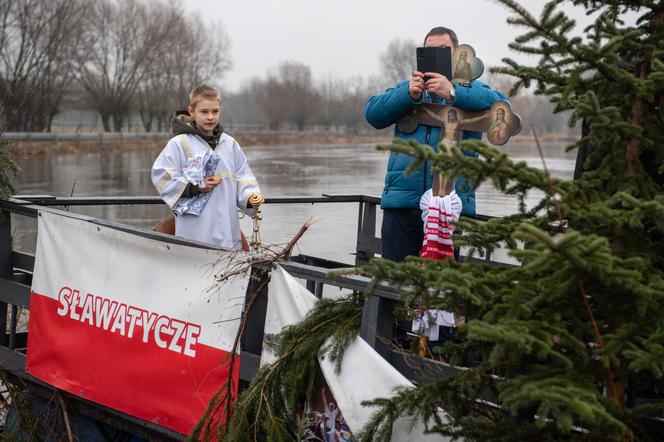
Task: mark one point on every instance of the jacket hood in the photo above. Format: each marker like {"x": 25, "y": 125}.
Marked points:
{"x": 183, "y": 123}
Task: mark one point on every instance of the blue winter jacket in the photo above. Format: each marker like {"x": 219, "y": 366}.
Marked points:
{"x": 385, "y": 109}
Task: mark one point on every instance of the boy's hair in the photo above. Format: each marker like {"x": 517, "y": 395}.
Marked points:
{"x": 440, "y": 30}
{"x": 203, "y": 92}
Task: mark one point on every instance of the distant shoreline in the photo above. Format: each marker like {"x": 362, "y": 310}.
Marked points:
{"x": 28, "y": 148}
{"x": 33, "y": 147}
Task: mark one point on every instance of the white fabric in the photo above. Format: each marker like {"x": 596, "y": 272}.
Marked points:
{"x": 194, "y": 171}
{"x": 288, "y": 302}
{"x": 437, "y": 214}
{"x": 364, "y": 374}
{"x": 453, "y": 203}
{"x": 428, "y": 323}
{"x": 218, "y": 222}
{"x": 172, "y": 279}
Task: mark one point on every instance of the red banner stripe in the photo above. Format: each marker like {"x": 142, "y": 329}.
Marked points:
{"x": 139, "y": 378}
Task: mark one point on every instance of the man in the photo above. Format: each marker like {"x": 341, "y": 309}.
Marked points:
{"x": 402, "y": 229}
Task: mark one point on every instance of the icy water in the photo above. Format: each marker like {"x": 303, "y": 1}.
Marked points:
{"x": 281, "y": 171}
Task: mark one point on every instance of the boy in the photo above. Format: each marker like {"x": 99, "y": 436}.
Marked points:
{"x": 203, "y": 175}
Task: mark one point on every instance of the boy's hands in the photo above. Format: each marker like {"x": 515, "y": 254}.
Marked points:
{"x": 210, "y": 183}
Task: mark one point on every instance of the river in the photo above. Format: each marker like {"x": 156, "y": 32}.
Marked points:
{"x": 291, "y": 170}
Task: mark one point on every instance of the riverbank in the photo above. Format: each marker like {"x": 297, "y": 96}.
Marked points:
{"x": 29, "y": 148}
{"x": 21, "y": 149}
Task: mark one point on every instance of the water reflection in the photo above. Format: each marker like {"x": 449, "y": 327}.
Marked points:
{"x": 281, "y": 171}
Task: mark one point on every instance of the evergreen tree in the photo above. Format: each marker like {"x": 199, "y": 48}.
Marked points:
{"x": 560, "y": 337}
{"x": 8, "y": 168}
{"x": 565, "y": 337}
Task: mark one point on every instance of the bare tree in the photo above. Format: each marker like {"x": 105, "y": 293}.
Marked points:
{"x": 334, "y": 102}
{"x": 273, "y": 97}
{"x": 199, "y": 52}
{"x": 244, "y": 106}
{"x": 288, "y": 94}
{"x": 38, "y": 40}
{"x": 342, "y": 102}
{"x": 354, "y": 97}
{"x": 128, "y": 38}
{"x": 331, "y": 92}
{"x": 302, "y": 98}
{"x": 397, "y": 61}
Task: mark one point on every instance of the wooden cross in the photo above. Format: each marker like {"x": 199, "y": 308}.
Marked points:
{"x": 498, "y": 122}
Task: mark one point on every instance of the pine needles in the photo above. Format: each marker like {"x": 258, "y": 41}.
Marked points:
{"x": 8, "y": 169}
{"x": 563, "y": 338}
{"x": 560, "y": 342}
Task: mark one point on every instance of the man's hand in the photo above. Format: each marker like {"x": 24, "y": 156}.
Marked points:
{"x": 210, "y": 183}
{"x": 416, "y": 86}
{"x": 438, "y": 84}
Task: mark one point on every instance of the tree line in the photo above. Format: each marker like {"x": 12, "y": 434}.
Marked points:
{"x": 116, "y": 57}
{"x": 133, "y": 62}
{"x": 289, "y": 95}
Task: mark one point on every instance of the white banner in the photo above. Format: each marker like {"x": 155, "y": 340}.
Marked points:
{"x": 130, "y": 322}
{"x": 364, "y": 374}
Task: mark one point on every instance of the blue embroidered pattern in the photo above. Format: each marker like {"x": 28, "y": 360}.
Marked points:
{"x": 196, "y": 204}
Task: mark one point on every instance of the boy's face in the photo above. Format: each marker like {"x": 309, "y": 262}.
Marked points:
{"x": 206, "y": 114}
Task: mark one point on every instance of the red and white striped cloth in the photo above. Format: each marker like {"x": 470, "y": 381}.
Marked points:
{"x": 438, "y": 214}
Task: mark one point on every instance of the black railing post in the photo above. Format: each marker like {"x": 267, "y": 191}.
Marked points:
{"x": 377, "y": 325}
{"x": 251, "y": 341}
{"x": 367, "y": 243}
{"x": 6, "y": 268}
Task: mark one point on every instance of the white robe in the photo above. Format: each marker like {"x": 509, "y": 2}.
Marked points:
{"x": 218, "y": 222}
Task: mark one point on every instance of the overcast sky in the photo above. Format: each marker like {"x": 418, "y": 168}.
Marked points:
{"x": 343, "y": 38}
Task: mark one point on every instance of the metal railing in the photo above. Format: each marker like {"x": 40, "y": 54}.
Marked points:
{"x": 16, "y": 276}
{"x": 377, "y": 326}
{"x": 84, "y": 136}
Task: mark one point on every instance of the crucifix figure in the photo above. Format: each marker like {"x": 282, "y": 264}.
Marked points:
{"x": 499, "y": 123}
{"x": 441, "y": 206}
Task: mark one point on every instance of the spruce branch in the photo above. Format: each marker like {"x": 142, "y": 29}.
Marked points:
{"x": 269, "y": 408}
{"x": 8, "y": 169}
{"x": 556, "y": 338}
{"x": 551, "y": 27}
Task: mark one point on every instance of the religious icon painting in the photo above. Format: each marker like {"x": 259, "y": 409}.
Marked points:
{"x": 465, "y": 65}
{"x": 504, "y": 123}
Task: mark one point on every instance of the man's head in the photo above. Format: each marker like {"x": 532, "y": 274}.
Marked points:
{"x": 452, "y": 116}
{"x": 500, "y": 114}
{"x": 440, "y": 37}
{"x": 205, "y": 107}
{"x": 463, "y": 55}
